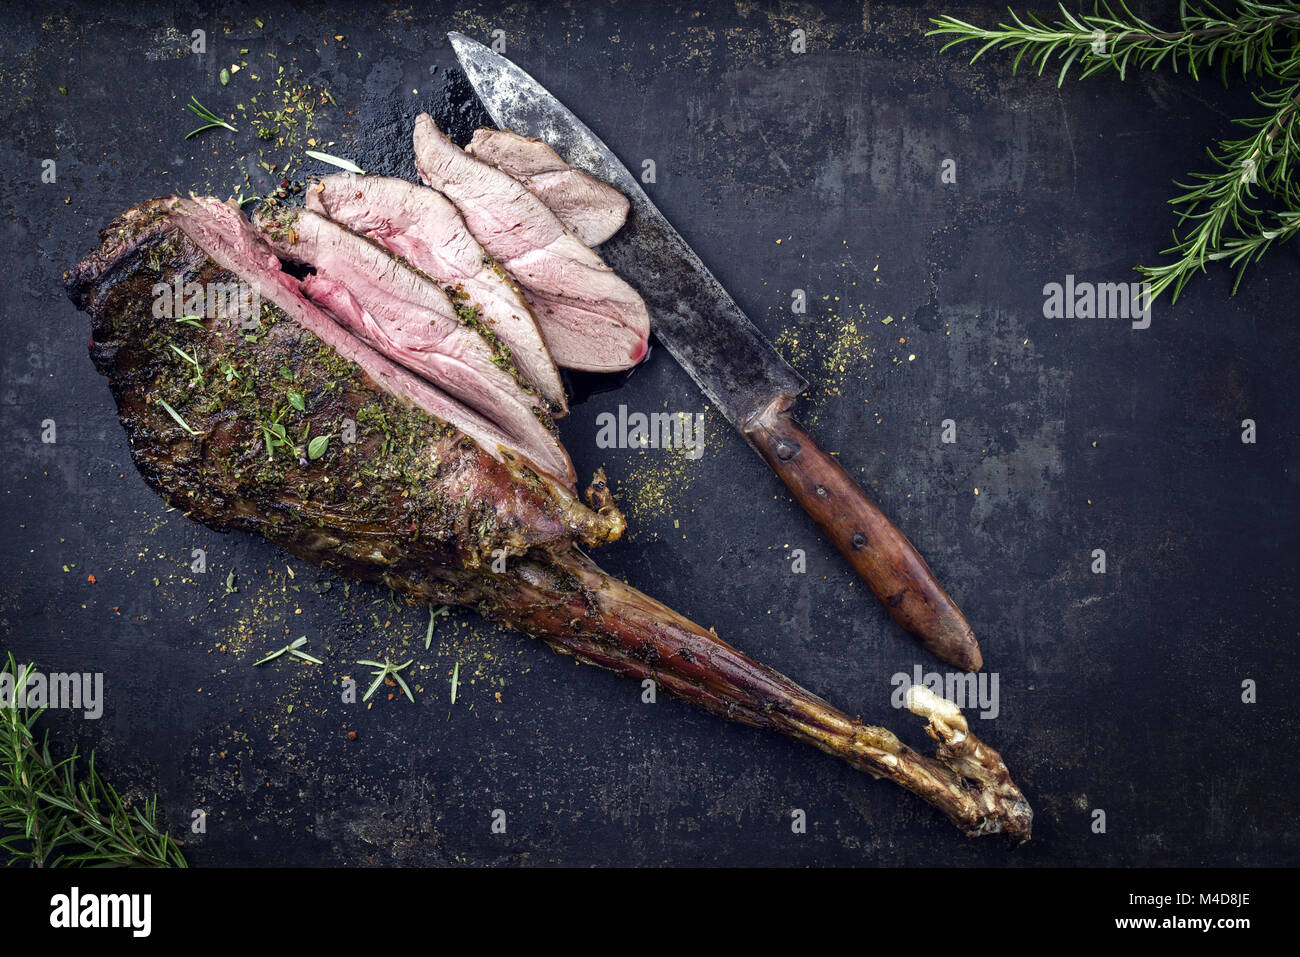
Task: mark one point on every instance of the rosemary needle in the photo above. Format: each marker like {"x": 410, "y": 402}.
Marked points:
{"x": 294, "y": 649}
{"x": 198, "y": 369}
{"x": 338, "y": 161}
{"x": 434, "y": 613}
{"x": 201, "y": 111}
{"x": 382, "y": 671}
{"x": 176, "y": 415}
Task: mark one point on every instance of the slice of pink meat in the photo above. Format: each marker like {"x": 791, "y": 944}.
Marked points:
{"x": 230, "y": 241}
{"x": 592, "y": 210}
{"x": 424, "y": 228}
{"x": 590, "y": 318}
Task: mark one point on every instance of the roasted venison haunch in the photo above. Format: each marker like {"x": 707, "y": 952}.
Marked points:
{"x": 384, "y": 476}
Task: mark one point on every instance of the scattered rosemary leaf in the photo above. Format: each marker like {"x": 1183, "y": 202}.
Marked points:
{"x": 434, "y": 613}
{"x": 198, "y": 369}
{"x": 294, "y": 648}
{"x": 382, "y": 671}
{"x": 341, "y": 163}
{"x": 201, "y": 111}
{"x": 176, "y": 415}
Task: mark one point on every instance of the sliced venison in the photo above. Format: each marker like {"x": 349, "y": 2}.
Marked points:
{"x": 424, "y": 228}
{"x": 227, "y": 237}
{"x": 411, "y": 320}
{"x": 590, "y": 318}
{"x": 593, "y": 210}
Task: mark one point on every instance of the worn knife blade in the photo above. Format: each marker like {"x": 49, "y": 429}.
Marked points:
{"x": 691, "y": 313}
{"x": 735, "y": 367}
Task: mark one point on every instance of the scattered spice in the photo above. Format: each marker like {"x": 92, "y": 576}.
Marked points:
{"x": 658, "y": 481}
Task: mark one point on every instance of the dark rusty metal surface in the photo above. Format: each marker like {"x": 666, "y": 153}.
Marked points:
{"x": 1118, "y": 692}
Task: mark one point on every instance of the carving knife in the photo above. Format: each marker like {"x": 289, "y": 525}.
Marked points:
{"x": 735, "y": 367}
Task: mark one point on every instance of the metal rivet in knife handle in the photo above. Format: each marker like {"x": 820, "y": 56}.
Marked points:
{"x": 786, "y": 450}
{"x": 880, "y": 554}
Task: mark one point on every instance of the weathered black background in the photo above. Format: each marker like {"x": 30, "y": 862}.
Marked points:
{"x": 1118, "y": 691}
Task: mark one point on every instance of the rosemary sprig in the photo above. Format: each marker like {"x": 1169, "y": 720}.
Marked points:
{"x": 382, "y": 671}
{"x": 55, "y": 814}
{"x": 213, "y": 121}
{"x": 1103, "y": 41}
{"x": 1226, "y": 199}
{"x": 294, "y": 648}
{"x": 1248, "y": 203}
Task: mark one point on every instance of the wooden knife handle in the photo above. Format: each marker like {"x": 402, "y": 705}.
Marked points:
{"x": 880, "y": 554}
